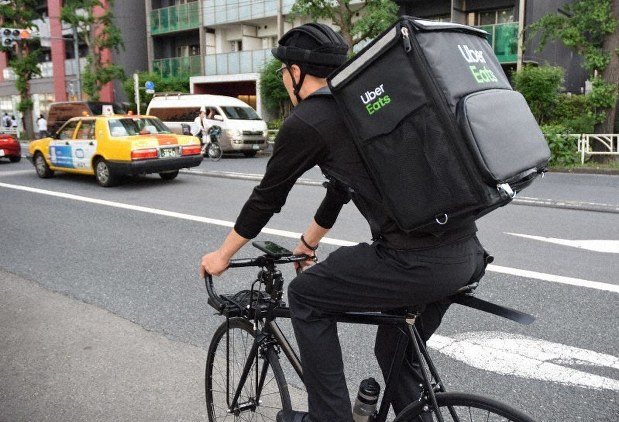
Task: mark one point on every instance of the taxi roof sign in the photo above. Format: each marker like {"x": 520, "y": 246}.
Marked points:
{"x": 107, "y": 109}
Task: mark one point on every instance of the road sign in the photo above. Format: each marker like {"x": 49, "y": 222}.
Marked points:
{"x": 150, "y": 87}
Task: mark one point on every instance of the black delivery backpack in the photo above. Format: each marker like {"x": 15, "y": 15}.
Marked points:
{"x": 442, "y": 134}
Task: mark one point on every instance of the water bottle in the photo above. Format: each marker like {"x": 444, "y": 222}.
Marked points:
{"x": 367, "y": 397}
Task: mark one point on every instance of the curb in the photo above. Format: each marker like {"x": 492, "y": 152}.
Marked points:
{"x": 535, "y": 202}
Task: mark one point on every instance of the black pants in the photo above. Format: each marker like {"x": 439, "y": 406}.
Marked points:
{"x": 371, "y": 278}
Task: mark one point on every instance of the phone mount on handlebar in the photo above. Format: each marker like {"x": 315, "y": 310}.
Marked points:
{"x": 272, "y": 249}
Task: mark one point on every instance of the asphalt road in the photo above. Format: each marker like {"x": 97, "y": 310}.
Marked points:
{"x": 104, "y": 317}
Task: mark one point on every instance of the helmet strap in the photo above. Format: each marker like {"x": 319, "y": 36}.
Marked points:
{"x": 297, "y": 86}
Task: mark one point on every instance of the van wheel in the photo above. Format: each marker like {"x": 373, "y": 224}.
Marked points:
{"x": 249, "y": 154}
{"x": 104, "y": 174}
{"x": 41, "y": 167}
{"x": 169, "y": 175}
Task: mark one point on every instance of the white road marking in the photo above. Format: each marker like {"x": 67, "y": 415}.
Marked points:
{"x": 14, "y": 172}
{"x": 516, "y": 355}
{"x": 296, "y": 235}
{"x": 607, "y": 246}
{"x": 554, "y": 278}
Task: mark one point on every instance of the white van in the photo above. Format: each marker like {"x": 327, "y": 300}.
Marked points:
{"x": 242, "y": 129}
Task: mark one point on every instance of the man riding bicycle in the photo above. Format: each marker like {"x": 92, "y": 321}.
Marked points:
{"x": 396, "y": 270}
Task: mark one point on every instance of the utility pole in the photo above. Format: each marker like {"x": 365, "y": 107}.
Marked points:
{"x": 78, "y": 71}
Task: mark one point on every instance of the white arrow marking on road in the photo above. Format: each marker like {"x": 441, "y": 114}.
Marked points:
{"x": 607, "y": 246}
{"x": 512, "y": 354}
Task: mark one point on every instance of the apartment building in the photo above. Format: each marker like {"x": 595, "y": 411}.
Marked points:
{"x": 64, "y": 60}
{"x": 221, "y": 45}
{"x": 505, "y": 20}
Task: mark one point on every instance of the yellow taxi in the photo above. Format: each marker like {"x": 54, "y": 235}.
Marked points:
{"x": 111, "y": 146}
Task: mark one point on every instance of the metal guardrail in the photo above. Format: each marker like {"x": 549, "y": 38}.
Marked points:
{"x": 608, "y": 141}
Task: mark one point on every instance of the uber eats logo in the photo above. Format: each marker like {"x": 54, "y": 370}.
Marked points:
{"x": 374, "y": 100}
{"x": 476, "y": 59}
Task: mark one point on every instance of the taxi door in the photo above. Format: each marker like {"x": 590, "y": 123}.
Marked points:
{"x": 74, "y": 146}
{"x": 84, "y": 145}
{"x": 60, "y": 147}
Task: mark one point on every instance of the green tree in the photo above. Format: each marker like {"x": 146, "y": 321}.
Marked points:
{"x": 541, "y": 87}
{"x": 274, "y": 95}
{"x": 358, "y": 21}
{"x": 173, "y": 84}
{"x": 98, "y": 32}
{"x": 589, "y": 27}
{"x": 25, "y": 56}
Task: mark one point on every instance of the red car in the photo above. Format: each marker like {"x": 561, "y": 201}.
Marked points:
{"x": 10, "y": 148}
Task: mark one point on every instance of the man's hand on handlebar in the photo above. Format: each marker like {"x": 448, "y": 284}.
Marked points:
{"x": 214, "y": 263}
{"x": 302, "y": 250}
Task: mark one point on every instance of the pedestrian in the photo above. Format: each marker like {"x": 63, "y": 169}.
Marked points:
{"x": 201, "y": 125}
{"x": 396, "y": 270}
{"x": 6, "y": 121}
{"x": 14, "y": 123}
{"x": 42, "y": 126}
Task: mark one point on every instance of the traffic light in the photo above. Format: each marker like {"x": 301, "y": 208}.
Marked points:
{"x": 11, "y": 35}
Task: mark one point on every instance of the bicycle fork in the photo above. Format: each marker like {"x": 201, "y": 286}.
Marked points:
{"x": 253, "y": 357}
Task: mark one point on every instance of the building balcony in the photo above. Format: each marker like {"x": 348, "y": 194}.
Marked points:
{"x": 178, "y": 66}
{"x": 504, "y": 40}
{"x": 175, "y": 18}
{"x": 219, "y": 12}
{"x": 239, "y": 62}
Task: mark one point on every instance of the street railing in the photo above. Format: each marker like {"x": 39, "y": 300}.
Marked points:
{"x": 608, "y": 142}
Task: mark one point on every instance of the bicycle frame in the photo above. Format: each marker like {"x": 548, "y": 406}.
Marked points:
{"x": 268, "y": 334}
{"x": 271, "y": 333}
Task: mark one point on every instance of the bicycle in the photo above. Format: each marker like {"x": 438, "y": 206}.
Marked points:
{"x": 210, "y": 144}
{"x": 244, "y": 379}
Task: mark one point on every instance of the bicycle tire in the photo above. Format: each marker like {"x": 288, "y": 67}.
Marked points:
{"x": 468, "y": 408}
{"x": 274, "y": 396}
{"x": 214, "y": 152}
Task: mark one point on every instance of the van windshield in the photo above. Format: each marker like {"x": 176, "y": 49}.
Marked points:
{"x": 240, "y": 113}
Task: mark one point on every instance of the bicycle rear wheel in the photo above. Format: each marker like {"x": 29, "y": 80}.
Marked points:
{"x": 465, "y": 408}
{"x": 227, "y": 355}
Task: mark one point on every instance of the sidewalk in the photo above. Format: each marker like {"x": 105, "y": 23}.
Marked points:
{"x": 65, "y": 360}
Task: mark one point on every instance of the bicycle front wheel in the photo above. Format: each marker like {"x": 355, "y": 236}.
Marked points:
{"x": 463, "y": 407}
{"x": 264, "y": 392}
{"x": 214, "y": 151}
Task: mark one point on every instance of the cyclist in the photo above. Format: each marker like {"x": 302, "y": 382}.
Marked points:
{"x": 396, "y": 270}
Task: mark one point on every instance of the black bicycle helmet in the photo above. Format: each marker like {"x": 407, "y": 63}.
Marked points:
{"x": 315, "y": 47}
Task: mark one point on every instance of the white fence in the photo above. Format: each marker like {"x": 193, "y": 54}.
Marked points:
{"x": 608, "y": 141}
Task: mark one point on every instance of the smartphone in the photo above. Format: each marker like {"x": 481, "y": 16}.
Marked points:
{"x": 272, "y": 249}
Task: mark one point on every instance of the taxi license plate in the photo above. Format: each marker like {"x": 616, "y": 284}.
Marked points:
{"x": 168, "y": 152}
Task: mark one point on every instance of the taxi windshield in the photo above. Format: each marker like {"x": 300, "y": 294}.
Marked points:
{"x": 136, "y": 126}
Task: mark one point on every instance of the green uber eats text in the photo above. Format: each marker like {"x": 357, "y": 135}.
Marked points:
{"x": 374, "y": 100}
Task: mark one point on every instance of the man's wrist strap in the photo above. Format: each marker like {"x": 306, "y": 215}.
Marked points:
{"x": 312, "y": 248}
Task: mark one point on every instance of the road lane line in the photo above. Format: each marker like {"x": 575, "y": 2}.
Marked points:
{"x": 554, "y": 278}
{"x": 295, "y": 235}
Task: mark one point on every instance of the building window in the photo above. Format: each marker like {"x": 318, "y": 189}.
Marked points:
{"x": 236, "y": 45}
{"x": 441, "y": 18}
{"x": 491, "y": 17}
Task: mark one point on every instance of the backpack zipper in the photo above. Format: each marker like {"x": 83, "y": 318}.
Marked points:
{"x": 406, "y": 39}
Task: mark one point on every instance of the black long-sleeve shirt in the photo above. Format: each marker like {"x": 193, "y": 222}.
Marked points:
{"x": 315, "y": 134}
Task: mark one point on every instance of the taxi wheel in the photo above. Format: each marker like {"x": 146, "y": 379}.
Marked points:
{"x": 104, "y": 175}
{"x": 169, "y": 175}
{"x": 41, "y": 167}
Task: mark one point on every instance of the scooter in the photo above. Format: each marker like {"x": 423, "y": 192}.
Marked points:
{"x": 210, "y": 143}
